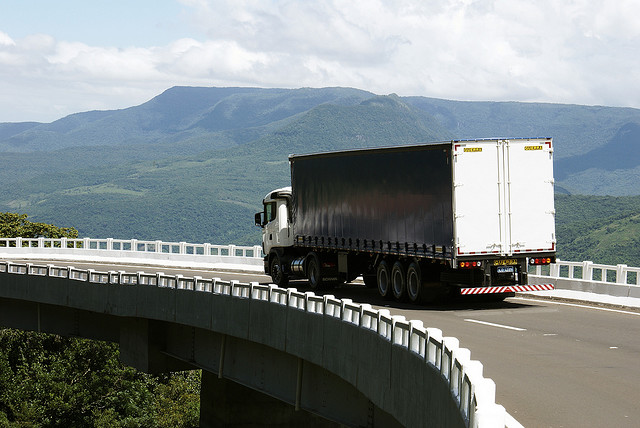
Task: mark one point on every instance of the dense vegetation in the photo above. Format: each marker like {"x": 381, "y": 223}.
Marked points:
{"x": 16, "y": 225}
{"x": 603, "y": 229}
{"x": 53, "y": 381}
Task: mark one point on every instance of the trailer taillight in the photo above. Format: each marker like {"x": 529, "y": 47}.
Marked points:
{"x": 470, "y": 265}
{"x": 541, "y": 261}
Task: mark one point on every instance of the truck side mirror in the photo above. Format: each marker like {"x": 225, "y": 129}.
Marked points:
{"x": 258, "y": 219}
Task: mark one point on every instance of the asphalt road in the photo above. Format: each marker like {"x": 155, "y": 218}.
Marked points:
{"x": 555, "y": 364}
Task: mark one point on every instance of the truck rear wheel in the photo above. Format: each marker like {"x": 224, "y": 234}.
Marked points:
{"x": 276, "y": 270}
{"x": 399, "y": 281}
{"x": 423, "y": 283}
{"x": 384, "y": 280}
{"x": 414, "y": 282}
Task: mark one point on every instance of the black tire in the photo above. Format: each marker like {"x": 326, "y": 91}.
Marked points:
{"x": 399, "y": 281}
{"x": 383, "y": 277}
{"x": 414, "y": 282}
{"x": 276, "y": 271}
{"x": 424, "y": 285}
{"x": 313, "y": 272}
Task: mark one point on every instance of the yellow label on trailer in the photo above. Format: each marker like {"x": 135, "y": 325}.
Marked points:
{"x": 533, "y": 147}
{"x": 505, "y": 262}
{"x": 473, "y": 149}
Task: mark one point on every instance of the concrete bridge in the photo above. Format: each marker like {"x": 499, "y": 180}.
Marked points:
{"x": 270, "y": 356}
{"x": 287, "y": 354}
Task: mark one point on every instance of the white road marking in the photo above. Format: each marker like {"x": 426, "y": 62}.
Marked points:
{"x": 508, "y": 327}
{"x": 575, "y": 305}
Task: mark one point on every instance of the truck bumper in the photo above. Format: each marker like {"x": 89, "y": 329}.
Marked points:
{"x": 506, "y": 289}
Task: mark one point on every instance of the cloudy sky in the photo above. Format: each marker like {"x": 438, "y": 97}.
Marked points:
{"x": 66, "y": 56}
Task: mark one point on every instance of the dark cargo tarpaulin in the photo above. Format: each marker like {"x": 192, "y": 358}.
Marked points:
{"x": 400, "y": 197}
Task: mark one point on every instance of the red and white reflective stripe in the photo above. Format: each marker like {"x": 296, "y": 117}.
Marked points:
{"x": 533, "y": 287}
{"x": 507, "y": 289}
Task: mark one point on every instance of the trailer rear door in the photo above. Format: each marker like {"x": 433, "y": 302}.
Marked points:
{"x": 503, "y": 196}
{"x": 531, "y": 212}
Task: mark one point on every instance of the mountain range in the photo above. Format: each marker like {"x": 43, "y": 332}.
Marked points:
{"x": 193, "y": 164}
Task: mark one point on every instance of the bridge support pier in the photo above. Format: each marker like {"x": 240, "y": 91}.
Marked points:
{"x": 141, "y": 345}
{"x": 224, "y": 403}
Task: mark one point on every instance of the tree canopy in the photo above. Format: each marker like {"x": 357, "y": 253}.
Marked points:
{"x": 14, "y": 225}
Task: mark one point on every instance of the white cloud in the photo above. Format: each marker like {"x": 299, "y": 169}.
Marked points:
{"x": 5, "y": 40}
{"x": 211, "y": 59}
{"x": 517, "y": 49}
{"x": 580, "y": 51}
{"x": 110, "y": 64}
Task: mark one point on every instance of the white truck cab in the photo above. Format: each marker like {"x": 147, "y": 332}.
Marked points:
{"x": 275, "y": 220}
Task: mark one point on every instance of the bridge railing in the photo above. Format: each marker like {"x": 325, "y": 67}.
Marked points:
{"x": 619, "y": 281}
{"x": 592, "y": 272}
{"x": 135, "y": 245}
{"x": 586, "y": 271}
{"x": 473, "y": 393}
{"x": 182, "y": 254}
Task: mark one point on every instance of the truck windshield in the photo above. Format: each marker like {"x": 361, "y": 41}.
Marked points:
{"x": 269, "y": 211}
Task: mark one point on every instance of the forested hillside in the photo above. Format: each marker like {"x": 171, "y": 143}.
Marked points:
{"x": 193, "y": 164}
{"x": 209, "y": 197}
{"x": 603, "y": 229}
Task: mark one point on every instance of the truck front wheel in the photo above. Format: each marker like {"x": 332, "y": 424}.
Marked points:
{"x": 276, "y": 270}
{"x": 313, "y": 271}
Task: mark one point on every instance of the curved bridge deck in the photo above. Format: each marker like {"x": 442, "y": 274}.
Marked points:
{"x": 344, "y": 361}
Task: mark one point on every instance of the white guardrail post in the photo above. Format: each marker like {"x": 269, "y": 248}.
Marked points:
{"x": 621, "y": 274}
{"x": 587, "y": 270}
{"x": 554, "y": 270}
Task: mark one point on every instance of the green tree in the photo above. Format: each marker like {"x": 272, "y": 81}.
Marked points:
{"x": 14, "y": 225}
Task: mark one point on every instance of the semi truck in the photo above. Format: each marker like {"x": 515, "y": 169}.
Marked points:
{"x": 418, "y": 222}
